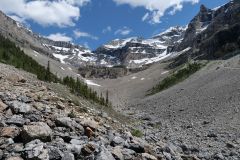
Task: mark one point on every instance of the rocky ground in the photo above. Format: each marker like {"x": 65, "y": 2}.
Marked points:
{"x": 199, "y": 116}
{"x": 37, "y": 124}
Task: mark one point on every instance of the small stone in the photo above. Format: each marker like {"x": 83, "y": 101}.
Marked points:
{"x": 69, "y": 123}
{"x": 90, "y": 123}
{"x": 230, "y": 145}
{"x": 104, "y": 154}
{"x": 117, "y": 141}
{"x": 88, "y": 132}
{"x": 88, "y": 149}
{"x": 54, "y": 153}
{"x": 68, "y": 156}
{"x": 146, "y": 156}
{"x": 14, "y": 158}
{"x": 3, "y": 106}
{"x": 60, "y": 105}
{"x": 117, "y": 153}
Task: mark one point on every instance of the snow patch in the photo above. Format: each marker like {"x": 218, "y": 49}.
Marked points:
{"x": 164, "y": 72}
{"x": 134, "y": 77}
{"x": 142, "y": 79}
{"x": 89, "y": 82}
{"x": 61, "y": 57}
{"x": 62, "y": 68}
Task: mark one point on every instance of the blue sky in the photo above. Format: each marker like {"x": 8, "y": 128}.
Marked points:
{"x": 95, "y": 22}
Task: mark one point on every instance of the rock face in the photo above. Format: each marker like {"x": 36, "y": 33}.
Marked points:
{"x": 213, "y": 33}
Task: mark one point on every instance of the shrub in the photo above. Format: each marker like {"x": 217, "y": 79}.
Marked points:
{"x": 137, "y": 133}
{"x": 177, "y": 77}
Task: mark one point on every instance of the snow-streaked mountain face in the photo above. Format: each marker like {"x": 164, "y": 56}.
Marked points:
{"x": 135, "y": 52}
{"x": 211, "y": 32}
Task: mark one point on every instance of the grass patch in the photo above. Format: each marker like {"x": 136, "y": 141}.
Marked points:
{"x": 176, "y": 77}
{"x": 72, "y": 114}
{"x": 136, "y": 133}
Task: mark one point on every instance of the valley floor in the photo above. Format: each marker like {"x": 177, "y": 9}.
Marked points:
{"x": 202, "y": 112}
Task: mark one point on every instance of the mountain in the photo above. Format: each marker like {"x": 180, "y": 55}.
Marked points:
{"x": 212, "y": 32}
{"x": 65, "y": 52}
{"x": 135, "y": 51}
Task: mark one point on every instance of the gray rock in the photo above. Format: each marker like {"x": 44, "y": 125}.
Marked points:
{"x": 128, "y": 154}
{"x": 17, "y": 120}
{"x": 77, "y": 142}
{"x": 137, "y": 147}
{"x": 69, "y": 123}
{"x": 33, "y": 117}
{"x": 1, "y": 154}
{"x": 24, "y": 99}
{"x": 104, "y": 154}
{"x": 117, "y": 141}
{"x": 75, "y": 149}
{"x": 90, "y": 123}
{"x": 36, "y": 130}
{"x": 117, "y": 153}
{"x": 146, "y": 156}
{"x": 54, "y": 153}
{"x": 19, "y": 107}
{"x": 68, "y": 156}
{"x": 14, "y": 158}
{"x": 36, "y": 150}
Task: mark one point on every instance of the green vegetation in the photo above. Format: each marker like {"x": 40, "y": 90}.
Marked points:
{"x": 12, "y": 55}
{"x": 176, "y": 77}
{"x": 136, "y": 133}
{"x": 81, "y": 89}
{"x": 72, "y": 114}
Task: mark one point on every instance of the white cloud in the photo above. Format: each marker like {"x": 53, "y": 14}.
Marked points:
{"x": 59, "y": 37}
{"x": 107, "y": 29}
{"x": 79, "y": 34}
{"x": 123, "y": 31}
{"x": 45, "y": 12}
{"x": 156, "y": 8}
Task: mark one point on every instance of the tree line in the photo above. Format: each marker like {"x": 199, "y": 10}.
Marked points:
{"x": 13, "y": 55}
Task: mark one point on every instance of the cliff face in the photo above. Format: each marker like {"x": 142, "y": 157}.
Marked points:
{"x": 213, "y": 33}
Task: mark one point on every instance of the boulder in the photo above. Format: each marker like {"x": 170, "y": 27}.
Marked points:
{"x": 36, "y": 130}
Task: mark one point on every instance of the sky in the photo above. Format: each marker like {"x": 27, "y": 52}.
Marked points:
{"x": 95, "y": 22}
